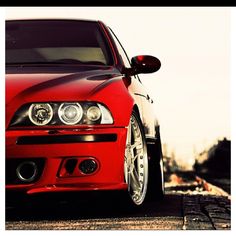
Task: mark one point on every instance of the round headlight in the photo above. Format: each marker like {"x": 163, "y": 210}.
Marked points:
{"x": 40, "y": 113}
{"x": 70, "y": 113}
{"x": 94, "y": 113}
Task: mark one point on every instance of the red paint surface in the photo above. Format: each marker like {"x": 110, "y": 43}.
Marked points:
{"x": 105, "y": 85}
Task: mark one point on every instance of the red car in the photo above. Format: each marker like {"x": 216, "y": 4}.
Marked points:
{"x": 77, "y": 115}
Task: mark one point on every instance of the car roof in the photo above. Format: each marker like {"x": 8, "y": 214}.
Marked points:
{"x": 50, "y": 19}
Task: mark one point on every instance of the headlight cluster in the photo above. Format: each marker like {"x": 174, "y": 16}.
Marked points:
{"x": 66, "y": 113}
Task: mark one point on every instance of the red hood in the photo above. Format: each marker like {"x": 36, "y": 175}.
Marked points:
{"x": 46, "y": 87}
{"x": 54, "y": 87}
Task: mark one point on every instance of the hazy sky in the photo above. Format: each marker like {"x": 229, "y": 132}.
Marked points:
{"x": 192, "y": 89}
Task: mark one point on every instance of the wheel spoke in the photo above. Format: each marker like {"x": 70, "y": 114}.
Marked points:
{"x": 129, "y": 135}
{"x": 128, "y": 181}
{"x": 136, "y": 169}
{"x": 137, "y": 145}
{"x": 135, "y": 157}
{"x": 134, "y": 181}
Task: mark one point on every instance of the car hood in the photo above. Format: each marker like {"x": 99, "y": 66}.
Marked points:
{"x": 24, "y": 88}
{"x": 53, "y": 87}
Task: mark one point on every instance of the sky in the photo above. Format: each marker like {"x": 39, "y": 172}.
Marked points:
{"x": 191, "y": 91}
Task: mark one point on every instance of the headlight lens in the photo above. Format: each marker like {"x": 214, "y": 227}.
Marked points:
{"x": 94, "y": 113}
{"x": 70, "y": 113}
{"x": 106, "y": 115}
{"x": 40, "y": 114}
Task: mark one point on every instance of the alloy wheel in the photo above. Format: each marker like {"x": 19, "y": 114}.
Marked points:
{"x": 136, "y": 162}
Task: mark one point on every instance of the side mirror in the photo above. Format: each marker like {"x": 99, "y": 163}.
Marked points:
{"x": 145, "y": 64}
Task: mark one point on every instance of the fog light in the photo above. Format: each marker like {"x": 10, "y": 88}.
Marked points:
{"x": 88, "y": 166}
{"x": 27, "y": 171}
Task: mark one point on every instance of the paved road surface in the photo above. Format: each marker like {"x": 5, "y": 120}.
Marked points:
{"x": 187, "y": 205}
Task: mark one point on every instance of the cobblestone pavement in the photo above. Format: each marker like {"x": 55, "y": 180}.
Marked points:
{"x": 206, "y": 212}
{"x": 194, "y": 205}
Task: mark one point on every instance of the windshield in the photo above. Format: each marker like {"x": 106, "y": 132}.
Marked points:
{"x": 56, "y": 42}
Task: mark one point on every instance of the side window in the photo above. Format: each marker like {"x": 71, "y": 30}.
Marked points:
{"x": 121, "y": 50}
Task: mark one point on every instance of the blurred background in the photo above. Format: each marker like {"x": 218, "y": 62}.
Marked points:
{"x": 191, "y": 91}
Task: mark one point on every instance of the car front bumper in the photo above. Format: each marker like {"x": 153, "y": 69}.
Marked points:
{"x": 50, "y": 150}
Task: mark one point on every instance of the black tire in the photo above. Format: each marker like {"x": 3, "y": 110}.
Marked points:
{"x": 156, "y": 188}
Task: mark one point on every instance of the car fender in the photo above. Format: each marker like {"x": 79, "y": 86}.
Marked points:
{"x": 116, "y": 96}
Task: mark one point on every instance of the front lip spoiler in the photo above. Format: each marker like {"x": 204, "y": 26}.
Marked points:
{"x": 56, "y": 139}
